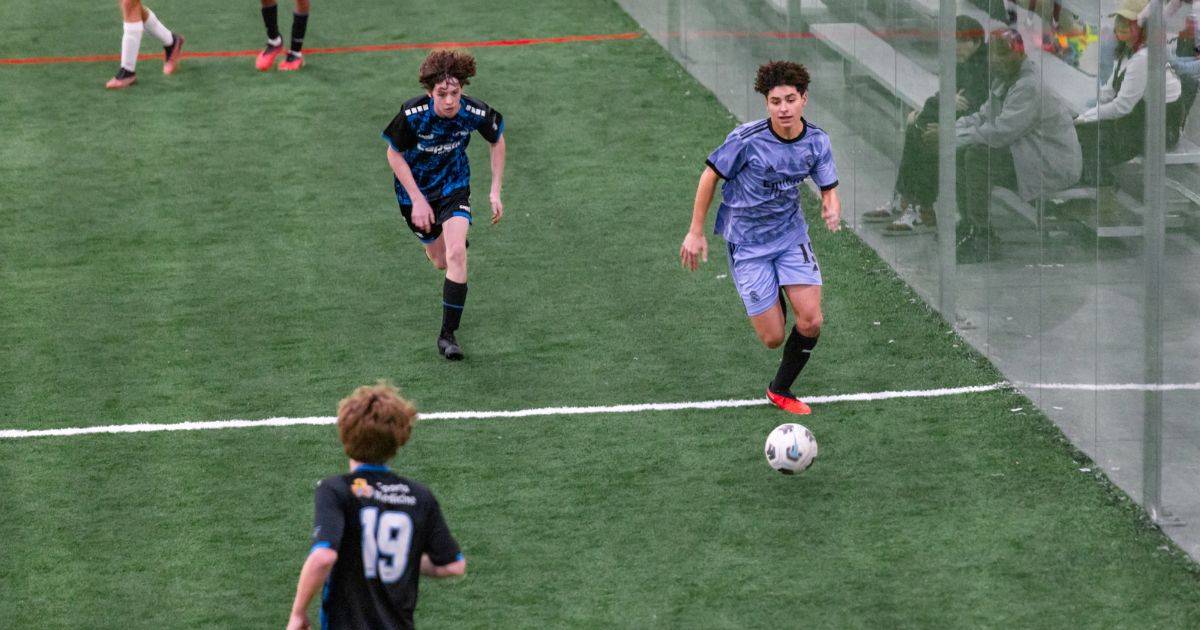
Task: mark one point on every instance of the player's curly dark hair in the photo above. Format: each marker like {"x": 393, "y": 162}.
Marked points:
{"x": 374, "y": 422}
{"x": 446, "y": 64}
{"x": 776, "y": 73}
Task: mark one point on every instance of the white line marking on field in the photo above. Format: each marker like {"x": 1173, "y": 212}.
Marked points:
{"x": 1114, "y": 387}
{"x": 481, "y": 415}
{"x": 573, "y": 411}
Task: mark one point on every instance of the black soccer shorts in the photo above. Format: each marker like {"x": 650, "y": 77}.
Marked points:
{"x": 456, "y": 204}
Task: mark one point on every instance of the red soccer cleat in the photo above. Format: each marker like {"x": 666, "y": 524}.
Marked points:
{"x": 294, "y": 61}
{"x": 266, "y": 58}
{"x": 173, "y": 53}
{"x": 788, "y": 403}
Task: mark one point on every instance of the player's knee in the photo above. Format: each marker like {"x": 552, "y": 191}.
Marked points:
{"x": 809, "y": 326}
{"x": 771, "y": 339}
{"x": 456, "y": 255}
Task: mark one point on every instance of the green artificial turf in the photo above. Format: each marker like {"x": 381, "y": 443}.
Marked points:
{"x": 225, "y": 244}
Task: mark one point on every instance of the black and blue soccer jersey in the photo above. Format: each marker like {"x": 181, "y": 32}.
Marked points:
{"x": 435, "y": 147}
{"x": 380, "y": 524}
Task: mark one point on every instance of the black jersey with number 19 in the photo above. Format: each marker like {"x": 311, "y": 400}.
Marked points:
{"x": 380, "y": 524}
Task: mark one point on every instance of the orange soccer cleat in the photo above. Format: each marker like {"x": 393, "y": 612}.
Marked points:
{"x": 294, "y": 61}
{"x": 123, "y": 80}
{"x": 173, "y": 53}
{"x": 266, "y": 58}
{"x": 787, "y": 402}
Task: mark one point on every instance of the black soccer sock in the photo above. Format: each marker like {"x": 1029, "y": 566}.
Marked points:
{"x": 783, "y": 304}
{"x": 299, "y": 26}
{"x": 271, "y": 21}
{"x": 795, "y": 354}
{"x": 454, "y": 298}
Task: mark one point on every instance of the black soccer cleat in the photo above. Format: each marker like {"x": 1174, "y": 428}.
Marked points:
{"x": 448, "y": 348}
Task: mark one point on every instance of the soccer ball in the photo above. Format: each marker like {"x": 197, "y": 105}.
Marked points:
{"x": 791, "y": 448}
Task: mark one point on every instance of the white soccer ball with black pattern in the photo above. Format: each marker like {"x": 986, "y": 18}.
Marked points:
{"x": 791, "y": 448}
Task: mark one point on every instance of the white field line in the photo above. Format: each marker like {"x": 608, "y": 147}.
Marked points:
{"x": 575, "y": 411}
{"x": 1113, "y": 387}
{"x": 480, "y": 415}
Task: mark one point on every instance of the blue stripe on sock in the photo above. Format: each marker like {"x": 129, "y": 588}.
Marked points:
{"x": 457, "y": 306}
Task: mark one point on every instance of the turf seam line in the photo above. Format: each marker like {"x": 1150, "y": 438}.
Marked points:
{"x": 484, "y": 415}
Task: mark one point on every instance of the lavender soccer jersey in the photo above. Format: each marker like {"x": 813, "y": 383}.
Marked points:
{"x": 763, "y": 173}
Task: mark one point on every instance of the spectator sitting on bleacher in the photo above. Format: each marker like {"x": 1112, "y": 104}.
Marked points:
{"x": 1182, "y": 54}
{"x": 1022, "y": 138}
{"x": 1114, "y": 130}
{"x": 1179, "y": 17}
{"x": 916, "y": 179}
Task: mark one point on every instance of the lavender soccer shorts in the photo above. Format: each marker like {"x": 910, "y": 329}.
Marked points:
{"x": 759, "y": 269}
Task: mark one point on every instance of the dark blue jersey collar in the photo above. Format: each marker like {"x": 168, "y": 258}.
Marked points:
{"x": 803, "y": 132}
{"x": 371, "y": 468}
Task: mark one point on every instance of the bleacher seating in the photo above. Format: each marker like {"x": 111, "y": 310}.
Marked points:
{"x": 865, "y": 53}
{"x": 932, "y": 8}
{"x": 863, "y": 50}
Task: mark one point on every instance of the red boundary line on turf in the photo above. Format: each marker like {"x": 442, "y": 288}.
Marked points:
{"x": 319, "y": 51}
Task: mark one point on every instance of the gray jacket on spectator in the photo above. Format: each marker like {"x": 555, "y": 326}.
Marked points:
{"x": 1035, "y": 126}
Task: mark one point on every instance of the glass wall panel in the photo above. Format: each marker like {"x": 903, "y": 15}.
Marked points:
{"x": 1075, "y": 240}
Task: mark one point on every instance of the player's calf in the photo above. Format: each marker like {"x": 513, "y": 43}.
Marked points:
{"x": 436, "y": 253}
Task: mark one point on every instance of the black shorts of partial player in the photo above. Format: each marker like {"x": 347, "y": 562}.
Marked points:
{"x": 456, "y": 204}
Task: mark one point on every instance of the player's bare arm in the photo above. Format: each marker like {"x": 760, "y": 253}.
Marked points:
{"x": 454, "y": 569}
{"x": 695, "y": 245}
{"x": 316, "y": 569}
{"x": 831, "y": 209}
{"x": 422, "y": 213}
{"x": 497, "y": 153}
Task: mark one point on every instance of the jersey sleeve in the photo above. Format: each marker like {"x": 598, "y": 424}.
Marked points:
{"x": 825, "y": 171}
{"x": 491, "y": 125}
{"x": 729, "y": 158}
{"x": 329, "y": 520}
{"x": 400, "y": 134}
{"x": 442, "y": 548}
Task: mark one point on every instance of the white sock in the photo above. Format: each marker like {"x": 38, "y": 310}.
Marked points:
{"x": 131, "y": 42}
{"x": 157, "y": 29}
